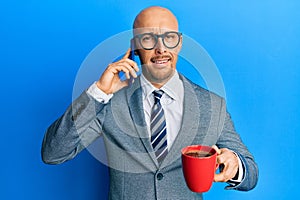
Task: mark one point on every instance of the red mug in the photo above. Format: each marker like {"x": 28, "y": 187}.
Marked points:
{"x": 199, "y": 164}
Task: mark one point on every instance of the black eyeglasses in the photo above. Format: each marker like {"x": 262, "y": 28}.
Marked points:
{"x": 148, "y": 41}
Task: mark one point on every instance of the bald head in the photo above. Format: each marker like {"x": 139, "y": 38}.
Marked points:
{"x": 156, "y": 17}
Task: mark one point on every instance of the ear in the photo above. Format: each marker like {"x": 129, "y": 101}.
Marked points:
{"x": 180, "y": 43}
{"x": 178, "y": 48}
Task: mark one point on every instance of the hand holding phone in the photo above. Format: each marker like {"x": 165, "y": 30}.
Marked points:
{"x": 110, "y": 81}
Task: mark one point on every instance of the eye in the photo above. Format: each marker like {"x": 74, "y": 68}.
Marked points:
{"x": 170, "y": 36}
{"x": 147, "y": 38}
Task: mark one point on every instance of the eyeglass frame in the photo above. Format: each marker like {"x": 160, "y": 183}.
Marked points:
{"x": 156, "y": 36}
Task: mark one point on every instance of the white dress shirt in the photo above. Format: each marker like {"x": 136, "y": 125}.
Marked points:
{"x": 172, "y": 103}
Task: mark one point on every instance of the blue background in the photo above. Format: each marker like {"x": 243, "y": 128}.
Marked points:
{"x": 255, "y": 45}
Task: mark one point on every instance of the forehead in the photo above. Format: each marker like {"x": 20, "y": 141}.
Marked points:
{"x": 155, "y": 30}
{"x": 155, "y": 20}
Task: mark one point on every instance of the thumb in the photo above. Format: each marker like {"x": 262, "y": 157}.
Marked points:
{"x": 120, "y": 85}
{"x": 217, "y": 149}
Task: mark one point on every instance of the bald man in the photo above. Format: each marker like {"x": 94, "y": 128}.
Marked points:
{"x": 145, "y": 124}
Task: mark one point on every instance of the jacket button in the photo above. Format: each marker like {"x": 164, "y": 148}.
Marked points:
{"x": 159, "y": 176}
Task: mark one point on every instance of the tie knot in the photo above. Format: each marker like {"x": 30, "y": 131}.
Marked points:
{"x": 157, "y": 95}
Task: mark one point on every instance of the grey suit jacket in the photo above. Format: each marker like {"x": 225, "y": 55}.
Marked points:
{"x": 134, "y": 170}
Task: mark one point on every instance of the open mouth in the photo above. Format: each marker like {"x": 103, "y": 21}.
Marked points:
{"x": 160, "y": 60}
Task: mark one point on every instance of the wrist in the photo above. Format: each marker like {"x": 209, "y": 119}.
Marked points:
{"x": 98, "y": 94}
{"x": 100, "y": 87}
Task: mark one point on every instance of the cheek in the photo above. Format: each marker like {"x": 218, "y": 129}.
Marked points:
{"x": 144, "y": 56}
{"x": 177, "y": 50}
{"x": 175, "y": 57}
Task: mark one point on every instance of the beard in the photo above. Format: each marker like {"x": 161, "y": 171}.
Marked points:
{"x": 158, "y": 75}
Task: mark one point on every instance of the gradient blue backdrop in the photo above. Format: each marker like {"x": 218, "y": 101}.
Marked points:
{"x": 255, "y": 45}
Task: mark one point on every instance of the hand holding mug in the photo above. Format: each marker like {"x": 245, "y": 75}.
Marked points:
{"x": 229, "y": 160}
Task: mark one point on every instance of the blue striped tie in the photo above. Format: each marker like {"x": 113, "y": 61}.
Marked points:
{"x": 158, "y": 128}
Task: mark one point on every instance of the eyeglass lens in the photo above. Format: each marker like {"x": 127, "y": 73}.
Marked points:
{"x": 149, "y": 40}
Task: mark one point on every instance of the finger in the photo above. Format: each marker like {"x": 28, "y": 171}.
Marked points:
{"x": 133, "y": 64}
{"x": 223, "y": 176}
{"x": 219, "y": 177}
{"x": 124, "y": 84}
{"x": 126, "y": 71}
{"x": 230, "y": 166}
{"x": 120, "y": 68}
{"x": 120, "y": 85}
{"x": 130, "y": 68}
{"x": 229, "y": 172}
{"x": 223, "y": 156}
{"x": 127, "y": 53}
{"x": 216, "y": 148}
{"x": 227, "y": 155}
{"x": 125, "y": 67}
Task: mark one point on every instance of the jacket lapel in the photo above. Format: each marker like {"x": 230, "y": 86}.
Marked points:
{"x": 190, "y": 123}
{"x": 135, "y": 103}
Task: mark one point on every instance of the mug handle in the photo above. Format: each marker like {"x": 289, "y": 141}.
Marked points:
{"x": 217, "y": 165}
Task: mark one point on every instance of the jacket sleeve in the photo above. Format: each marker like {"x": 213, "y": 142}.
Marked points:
{"x": 78, "y": 127}
{"x": 231, "y": 140}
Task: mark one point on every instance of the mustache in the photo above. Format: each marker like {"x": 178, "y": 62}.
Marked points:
{"x": 160, "y": 57}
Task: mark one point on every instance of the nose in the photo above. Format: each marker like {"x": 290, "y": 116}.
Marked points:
{"x": 160, "y": 47}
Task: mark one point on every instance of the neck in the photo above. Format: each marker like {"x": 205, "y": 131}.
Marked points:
{"x": 157, "y": 85}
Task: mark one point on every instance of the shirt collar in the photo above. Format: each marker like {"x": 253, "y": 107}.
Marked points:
{"x": 170, "y": 88}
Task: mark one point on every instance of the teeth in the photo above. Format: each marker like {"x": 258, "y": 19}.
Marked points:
{"x": 161, "y": 61}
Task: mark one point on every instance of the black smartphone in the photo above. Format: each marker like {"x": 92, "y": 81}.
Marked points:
{"x": 131, "y": 56}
